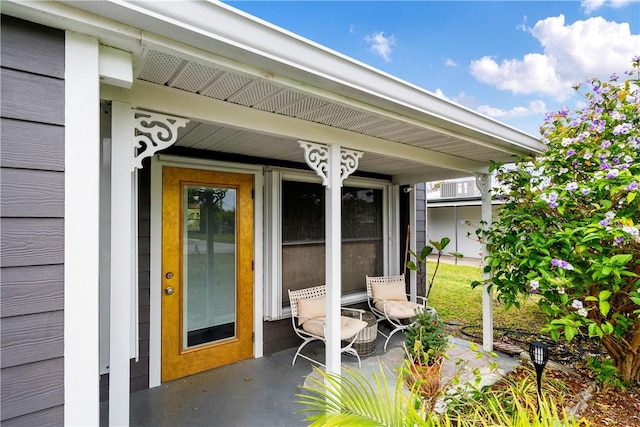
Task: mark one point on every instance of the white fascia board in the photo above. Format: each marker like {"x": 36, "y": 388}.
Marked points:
{"x": 116, "y": 67}
{"x": 220, "y": 29}
{"x": 173, "y": 101}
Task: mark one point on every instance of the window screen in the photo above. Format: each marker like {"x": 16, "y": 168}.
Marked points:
{"x": 303, "y": 243}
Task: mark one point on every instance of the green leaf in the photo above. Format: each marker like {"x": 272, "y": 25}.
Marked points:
{"x": 570, "y": 332}
{"x": 426, "y": 251}
{"x": 631, "y": 197}
{"x": 605, "y": 307}
{"x": 636, "y": 300}
{"x": 594, "y": 330}
{"x": 607, "y": 328}
{"x": 604, "y": 295}
{"x": 457, "y": 254}
{"x": 591, "y": 298}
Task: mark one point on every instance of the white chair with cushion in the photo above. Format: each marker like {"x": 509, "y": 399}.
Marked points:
{"x": 309, "y": 321}
{"x": 388, "y": 300}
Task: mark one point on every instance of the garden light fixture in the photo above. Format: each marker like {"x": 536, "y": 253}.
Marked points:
{"x": 539, "y": 353}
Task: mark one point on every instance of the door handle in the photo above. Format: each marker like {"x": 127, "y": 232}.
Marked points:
{"x": 168, "y": 290}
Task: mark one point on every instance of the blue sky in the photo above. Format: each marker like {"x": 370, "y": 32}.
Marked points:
{"x": 510, "y": 60}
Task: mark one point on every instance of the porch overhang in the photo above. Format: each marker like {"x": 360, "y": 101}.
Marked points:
{"x": 217, "y": 53}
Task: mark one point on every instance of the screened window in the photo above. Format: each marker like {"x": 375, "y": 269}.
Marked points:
{"x": 303, "y": 244}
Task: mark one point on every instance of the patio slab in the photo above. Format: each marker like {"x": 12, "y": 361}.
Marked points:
{"x": 258, "y": 392}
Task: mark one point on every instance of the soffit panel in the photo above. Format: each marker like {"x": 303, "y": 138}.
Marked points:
{"x": 216, "y": 82}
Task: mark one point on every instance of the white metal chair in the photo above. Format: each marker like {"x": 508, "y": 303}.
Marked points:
{"x": 387, "y": 299}
{"x": 309, "y": 322}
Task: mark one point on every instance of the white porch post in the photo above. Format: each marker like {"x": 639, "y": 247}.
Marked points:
{"x": 483, "y": 181}
{"x": 121, "y": 263}
{"x": 81, "y": 225}
{"x": 333, "y": 256}
{"x": 413, "y": 276}
{"x": 333, "y": 165}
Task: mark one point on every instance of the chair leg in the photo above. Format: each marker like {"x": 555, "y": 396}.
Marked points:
{"x": 306, "y": 341}
{"x": 390, "y": 335}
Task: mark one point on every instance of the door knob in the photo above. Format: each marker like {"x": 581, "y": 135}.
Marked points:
{"x": 168, "y": 290}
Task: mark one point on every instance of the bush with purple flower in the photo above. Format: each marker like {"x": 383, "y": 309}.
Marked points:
{"x": 569, "y": 231}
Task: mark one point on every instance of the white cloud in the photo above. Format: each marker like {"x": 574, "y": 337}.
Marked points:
{"x": 381, "y": 45}
{"x": 462, "y": 98}
{"x": 592, "y": 5}
{"x": 591, "y": 48}
{"x": 450, "y": 63}
{"x": 534, "y": 107}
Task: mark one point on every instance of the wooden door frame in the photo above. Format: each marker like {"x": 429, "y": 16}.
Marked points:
{"x": 155, "y": 334}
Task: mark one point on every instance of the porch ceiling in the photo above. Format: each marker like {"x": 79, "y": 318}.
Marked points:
{"x": 233, "y": 87}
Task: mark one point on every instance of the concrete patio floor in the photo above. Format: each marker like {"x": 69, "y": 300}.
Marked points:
{"x": 261, "y": 392}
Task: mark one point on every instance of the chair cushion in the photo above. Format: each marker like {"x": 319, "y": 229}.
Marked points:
{"x": 349, "y": 326}
{"x": 311, "y": 308}
{"x": 400, "y": 309}
{"x": 389, "y": 291}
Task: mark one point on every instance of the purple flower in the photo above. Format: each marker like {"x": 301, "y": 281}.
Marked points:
{"x": 571, "y": 152}
{"x": 633, "y": 186}
{"x": 553, "y": 205}
{"x": 619, "y": 240}
{"x": 622, "y": 129}
{"x": 604, "y": 223}
{"x": 534, "y": 286}
{"x": 613, "y": 173}
{"x": 572, "y": 186}
{"x": 586, "y": 191}
{"x": 605, "y": 144}
{"x": 577, "y": 304}
{"x": 561, "y": 263}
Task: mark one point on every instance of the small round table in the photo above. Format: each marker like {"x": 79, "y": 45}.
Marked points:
{"x": 365, "y": 343}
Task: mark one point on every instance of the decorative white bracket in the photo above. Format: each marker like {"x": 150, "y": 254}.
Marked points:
{"x": 482, "y": 181}
{"x": 317, "y": 157}
{"x": 153, "y": 132}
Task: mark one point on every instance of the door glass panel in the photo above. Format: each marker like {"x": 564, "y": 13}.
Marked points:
{"x": 209, "y": 265}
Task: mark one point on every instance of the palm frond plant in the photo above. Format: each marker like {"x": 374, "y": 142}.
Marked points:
{"x": 353, "y": 400}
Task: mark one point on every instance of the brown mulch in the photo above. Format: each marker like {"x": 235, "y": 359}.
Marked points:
{"x": 606, "y": 406}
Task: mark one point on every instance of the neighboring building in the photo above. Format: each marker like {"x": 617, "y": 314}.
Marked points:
{"x": 170, "y": 169}
{"x": 451, "y": 205}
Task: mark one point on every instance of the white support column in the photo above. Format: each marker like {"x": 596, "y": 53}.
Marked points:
{"x": 333, "y": 165}
{"x": 413, "y": 277}
{"x": 333, "y": 256}
{"x": 121, "y": 262}
{"x": 483, "y": 182}
{"x": 81, "y": 238}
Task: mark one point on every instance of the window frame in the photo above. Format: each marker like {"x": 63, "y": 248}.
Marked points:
{"x": 274, "y": 177}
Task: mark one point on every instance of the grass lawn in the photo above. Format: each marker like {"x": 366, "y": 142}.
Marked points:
{"x": 455, "y": 301}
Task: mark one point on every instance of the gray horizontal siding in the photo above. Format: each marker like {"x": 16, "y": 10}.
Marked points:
{"x": 32, "y": 97}
{"x": 31, "y": 145}
{"x": 32, "y": 387}
{"x": 31, "y": 338}
{"x": 32, "y": 48}
{"x": 32, "y": 241}
{"x": 31, "y": 193}
{"x": 46, "y": 418}
{"x": 27, "y": 290}
{"x": 31, "y": 224}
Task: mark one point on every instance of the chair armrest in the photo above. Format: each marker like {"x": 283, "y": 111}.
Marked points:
{"x": 423, "y": 299}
